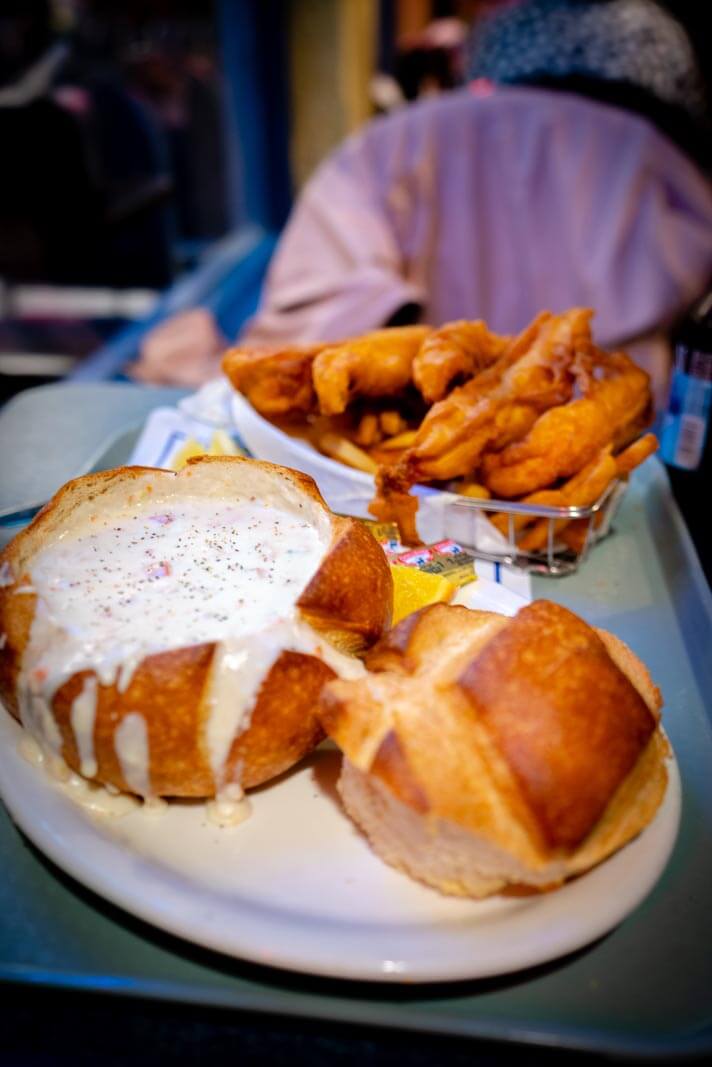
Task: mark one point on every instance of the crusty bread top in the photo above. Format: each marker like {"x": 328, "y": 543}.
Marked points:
{"x": 526, "y": 726}
{"x": 568, "y": 722}
{"x": 437, "y": 641}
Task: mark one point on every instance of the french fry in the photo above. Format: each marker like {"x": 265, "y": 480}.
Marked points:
{"x": 368, "y": 431}
{"x": 474, "y": 490}
{"x": 581, "y": 491}
{"x": 346, "y": 452}
{"x": 636, "y": 453}
{"x": 400, "y": 441}
{"x": 392, "y": 423}
{"x": 574, "y": 535}
{"x": 549, "y": 498}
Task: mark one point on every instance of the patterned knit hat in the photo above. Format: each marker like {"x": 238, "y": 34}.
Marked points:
{"x": 627, "y": 52}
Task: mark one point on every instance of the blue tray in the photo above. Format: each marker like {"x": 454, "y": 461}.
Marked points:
{"x": 645, "y": 989}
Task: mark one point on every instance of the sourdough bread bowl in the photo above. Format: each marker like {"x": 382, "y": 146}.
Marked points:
{"x": 169, "y": 634}
{"x": 483, "y": 752}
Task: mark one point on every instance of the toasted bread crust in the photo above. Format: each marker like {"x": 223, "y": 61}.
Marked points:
{"x": 352, "y": 591}
{"x": 527, "y": 686}
{"x": 283, "y": 726}
{"x": 415, "y": 645}
{"x": 348, "y": 601}
{"x": 174, "y": 686}
{"x": 390, "y": 765}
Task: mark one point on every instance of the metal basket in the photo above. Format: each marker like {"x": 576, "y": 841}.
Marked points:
{"x": 556, "y": 559}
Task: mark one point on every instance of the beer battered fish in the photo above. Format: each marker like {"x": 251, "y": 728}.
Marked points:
{"x": 456, "y": 350}
{"x": 377, "y": 364}
{"x": 617, "y": 405}
{"x": 276, "y": 381}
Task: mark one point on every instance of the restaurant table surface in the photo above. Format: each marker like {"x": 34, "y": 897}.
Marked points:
{"x": 643, "y": 991}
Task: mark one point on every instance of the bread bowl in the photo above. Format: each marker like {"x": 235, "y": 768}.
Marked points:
{"x": 482, "y": 752}
{"x": 168, "y": 634}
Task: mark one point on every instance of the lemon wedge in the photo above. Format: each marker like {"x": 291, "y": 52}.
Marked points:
{"x": 413, "y": 589}
{"x": 221, "y": 444}
{"x": 190, "y": 449}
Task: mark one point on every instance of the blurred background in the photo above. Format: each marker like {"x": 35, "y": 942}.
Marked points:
{"x": 152, "y": 150}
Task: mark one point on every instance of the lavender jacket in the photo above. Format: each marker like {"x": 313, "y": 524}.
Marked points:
{"x": 493, "y": 203}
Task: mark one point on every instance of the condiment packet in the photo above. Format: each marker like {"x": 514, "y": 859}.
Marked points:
{"x": 386, "y": 533}
{"x": 447, "y": 558}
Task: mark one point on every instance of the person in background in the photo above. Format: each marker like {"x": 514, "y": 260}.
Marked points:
{"x": 555, "y": 178}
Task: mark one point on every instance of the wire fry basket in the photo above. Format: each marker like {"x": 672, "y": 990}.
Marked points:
{"x": 555, "y": 558}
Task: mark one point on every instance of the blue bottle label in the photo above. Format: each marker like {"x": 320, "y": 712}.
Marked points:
{"x": 687, "y": 418}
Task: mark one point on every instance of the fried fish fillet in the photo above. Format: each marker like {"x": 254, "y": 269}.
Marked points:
{"x": 536, "y": 371}
{"x": 276, "y": 381}
{"x": 377, "y": 364}
{"x": 617, "y": 405}
{"x": 456, "y": 349}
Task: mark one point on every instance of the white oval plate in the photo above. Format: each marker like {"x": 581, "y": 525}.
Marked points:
{"x": 296, "y": 886}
